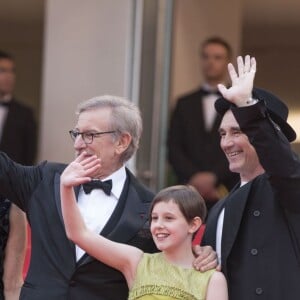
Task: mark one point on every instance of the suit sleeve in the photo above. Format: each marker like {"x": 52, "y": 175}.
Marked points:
{"x": 274, "y": 152}
{"x": 183, "y": 166}
{"x": 18, "y": 182}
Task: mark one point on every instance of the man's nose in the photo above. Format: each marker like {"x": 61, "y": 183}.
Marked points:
{"x": 226, "y": 141}
{"x": 79, "y": 142}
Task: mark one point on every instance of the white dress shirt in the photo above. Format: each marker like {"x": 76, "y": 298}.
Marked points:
{"x": 3, "y": 115}
{"x": 96, "y": 208}
{"x": 3, "y": 112}
{"x": 208, "y": 104}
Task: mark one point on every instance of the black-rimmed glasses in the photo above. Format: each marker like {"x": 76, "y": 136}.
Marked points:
{"x": 87, "y": 137}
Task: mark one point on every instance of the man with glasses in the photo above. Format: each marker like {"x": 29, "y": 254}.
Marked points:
{"x": 114, "y": 204}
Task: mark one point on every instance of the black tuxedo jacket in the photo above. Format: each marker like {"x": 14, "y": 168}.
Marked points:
{"x": 191, "y": 148}
{"x": 54, "y": 272}
{"x": 19, "y": 134}
{"x": 261, "y": 230}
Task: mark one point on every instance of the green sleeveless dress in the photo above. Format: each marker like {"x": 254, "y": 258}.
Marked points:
{"x": 157, "y": 279}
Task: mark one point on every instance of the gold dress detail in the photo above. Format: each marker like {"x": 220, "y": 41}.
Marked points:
{"x": 157, "y": 279}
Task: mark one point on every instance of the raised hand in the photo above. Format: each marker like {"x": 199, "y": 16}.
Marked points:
{"x": 80, "y": 170}
{"x": 242, "y": 81}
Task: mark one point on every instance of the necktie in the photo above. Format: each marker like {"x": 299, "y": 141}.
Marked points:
{"x": 5, "y": 103}
{"x": 209, "y": 112}
{"x": 98, "y": 184}
{"x": 211, "y": 92}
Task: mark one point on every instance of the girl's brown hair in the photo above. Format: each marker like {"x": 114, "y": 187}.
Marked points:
{"x": 189, "y": 201}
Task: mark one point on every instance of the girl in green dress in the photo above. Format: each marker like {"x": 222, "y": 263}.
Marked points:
{"x": 175, "y": 216}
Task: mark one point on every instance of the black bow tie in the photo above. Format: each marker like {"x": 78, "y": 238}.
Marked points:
{"x": 211, "y": 92}
{"x": 98, "y": 184}
{"x": 5, "y": 103}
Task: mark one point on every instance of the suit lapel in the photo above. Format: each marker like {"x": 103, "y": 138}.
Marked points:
{"x": 209, "y": 237}
{"x": 210, "y": 233}
{"x": 199, "y": 112}
{"x": 132, "y": 219}
{"x": 234, "y": 209}
{"x": 58, "y": 204}
{"x": 57, "y": 196}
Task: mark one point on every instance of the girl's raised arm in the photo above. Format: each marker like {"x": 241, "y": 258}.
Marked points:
{"x": 122, "y": 257}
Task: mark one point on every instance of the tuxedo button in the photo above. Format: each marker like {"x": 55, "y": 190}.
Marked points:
{"x": 72, "y": 283}
{"x": 256, "y": 213}
{"x": 254, "y": 251}
{"x": 258, "y": 291}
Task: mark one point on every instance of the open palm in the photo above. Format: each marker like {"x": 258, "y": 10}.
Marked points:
{"x": 80, "y": 170}
{"x": 242, "y": 81}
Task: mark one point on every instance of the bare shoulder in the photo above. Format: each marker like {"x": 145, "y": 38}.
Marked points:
{"x": 217, "y": 287}
{"x": 217, "y": 278}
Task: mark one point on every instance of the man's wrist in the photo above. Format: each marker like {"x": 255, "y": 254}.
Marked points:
{"x": 251, "y": 101}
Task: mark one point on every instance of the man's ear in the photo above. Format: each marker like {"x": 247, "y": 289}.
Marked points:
{"x": 123, "y": 142}
{"x": 195, "y": 224}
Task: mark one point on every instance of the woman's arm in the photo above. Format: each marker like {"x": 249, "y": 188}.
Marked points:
{"x": 217, "y": 287}
{"x": 122, "y": 257}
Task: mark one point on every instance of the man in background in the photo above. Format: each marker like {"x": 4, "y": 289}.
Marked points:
{"x": 193, "y": 142}
{"x": 18, "y": 130}
{"x": 18, "y": 138}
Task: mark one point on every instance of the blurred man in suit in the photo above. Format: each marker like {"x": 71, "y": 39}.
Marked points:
{"x": 18, "y": 130}
{"x": 18, "y": 140}
{"x": 193, "y": 142}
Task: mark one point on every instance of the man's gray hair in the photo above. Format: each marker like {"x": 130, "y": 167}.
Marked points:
{"x": 125, "y": 118}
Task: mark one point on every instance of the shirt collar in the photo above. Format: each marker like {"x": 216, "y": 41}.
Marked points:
{"x": 209, "y": 88}
{"x": 118, "y": 180}
{"x": 6, "y": 98}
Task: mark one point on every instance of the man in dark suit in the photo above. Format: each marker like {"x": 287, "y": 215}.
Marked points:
{"x": 109, "y": 127}
{"x": 193, "y": 142}
{"x": 256, "y": 228}
{"x": 18, "y": 139}
{"x": 18, "y": 130}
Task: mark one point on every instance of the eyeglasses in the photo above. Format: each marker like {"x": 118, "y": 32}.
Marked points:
{"x": 7, "y": 71}
{"x": 87, "y": 137}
